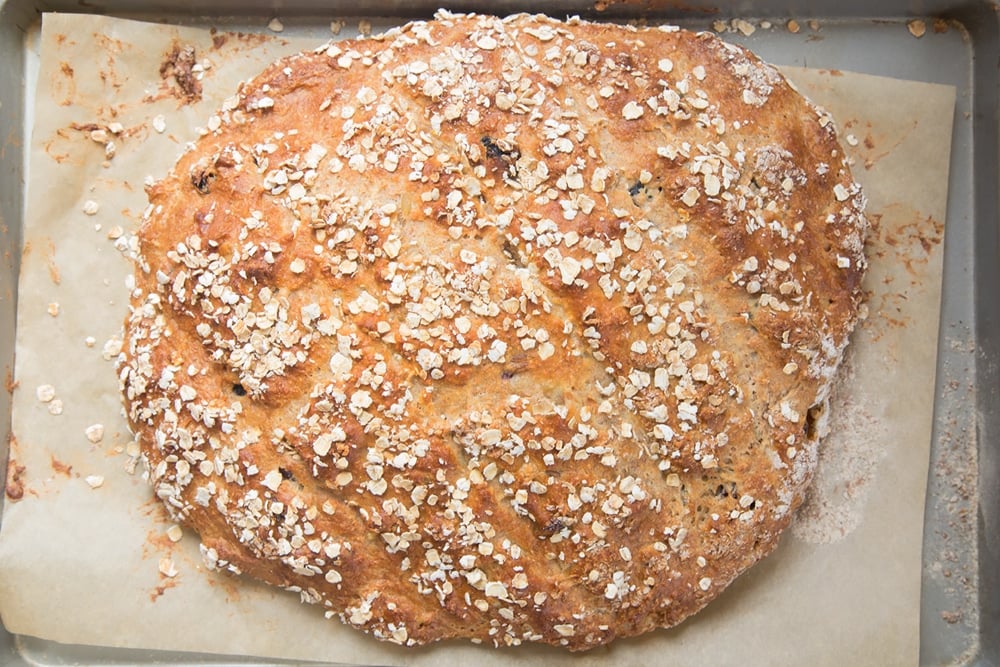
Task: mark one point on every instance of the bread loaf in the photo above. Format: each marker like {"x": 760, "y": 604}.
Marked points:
{"x": 501, "y": 329}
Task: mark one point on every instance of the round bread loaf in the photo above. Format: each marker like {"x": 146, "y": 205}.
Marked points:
{"x": 504, "y": 329}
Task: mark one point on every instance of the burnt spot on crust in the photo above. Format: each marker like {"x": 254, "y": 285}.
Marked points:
{"x": 813, "y": 416}
{"x": 202, "y": 177}
{"x": 643, "y": 193}
{"x": 502, "y": 157}
{"x": 554, "y": 526}
{"x": 495, "y": 151}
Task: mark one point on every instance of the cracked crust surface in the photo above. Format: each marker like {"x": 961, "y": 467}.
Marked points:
{"x": 504, "y": 329}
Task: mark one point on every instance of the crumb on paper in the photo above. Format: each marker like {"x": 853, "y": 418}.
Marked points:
{"x": 175, "y": 533}
{"x": 90, "y": 341}
{"x": 14, "y": 488}
{"x": 813, "y": 25}
{"x": 336, "y": 27}
{"x": 765, "y": 25}
{"x": 94, "y": 481}
{"x": 275, "y": 25}
{"x": 110, "y": 149}
{"x": 167, "y": 568}
{"x": 159, "y": 123}
{"x": 95, "y": 433}
{"x": 45, "y": 393}
{"x": 115, "y": 232}
{"x": 91, "y": 207}
{"x": 917, "y": 28}
{"x": 179, "y": 65}
{"x": 792, "y": 26}
{"x": 53, "y": 309}
{"x": 719, "y": 26}
{"x": 115, "y": 128}
{"x": 99, "y": 136}
{"x": 851, "y": 139}
{"x": 55, "y": 406}
{"x": 365, "y": 27}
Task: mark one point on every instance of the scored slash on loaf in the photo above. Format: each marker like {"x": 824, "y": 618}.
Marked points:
{"x": 503, "y": 329}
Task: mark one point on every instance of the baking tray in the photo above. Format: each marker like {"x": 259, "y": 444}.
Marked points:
{"x": 960, "y": 606}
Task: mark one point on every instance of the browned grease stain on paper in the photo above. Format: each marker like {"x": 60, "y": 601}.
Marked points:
{"x": 927, "y": 232}
{"x": 229, "y": 586}
{"x": 64, "y": 85}
{"x": 159, "y": 546}
{"x": 166, "y": 583}
{"x": 908, "y": 245}
{"x": 913, "y": 242}
{"x": 871, "y": 143}
{"x": 124, "y": 133}
{"x": 53, "y": 268}
{"x": 155, "y": 511}
{"x": 52, "y": 149}
{"x": 158, "y": 540}
{"x": 60, "y": 467}
{"x": 112, "y": 48}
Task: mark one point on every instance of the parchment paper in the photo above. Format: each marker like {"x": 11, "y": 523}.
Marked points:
{"x": 83, "y": 565}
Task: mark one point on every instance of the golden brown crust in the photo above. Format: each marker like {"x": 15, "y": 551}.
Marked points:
{"x": 501, "y": 329}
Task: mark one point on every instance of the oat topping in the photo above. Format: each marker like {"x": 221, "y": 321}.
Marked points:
{"x": 516, "y": 333}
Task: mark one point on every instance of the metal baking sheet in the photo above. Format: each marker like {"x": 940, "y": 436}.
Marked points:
{"x": 960, "y": 609}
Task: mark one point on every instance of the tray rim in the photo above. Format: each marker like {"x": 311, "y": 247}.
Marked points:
{"x": 980, "y": 20}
